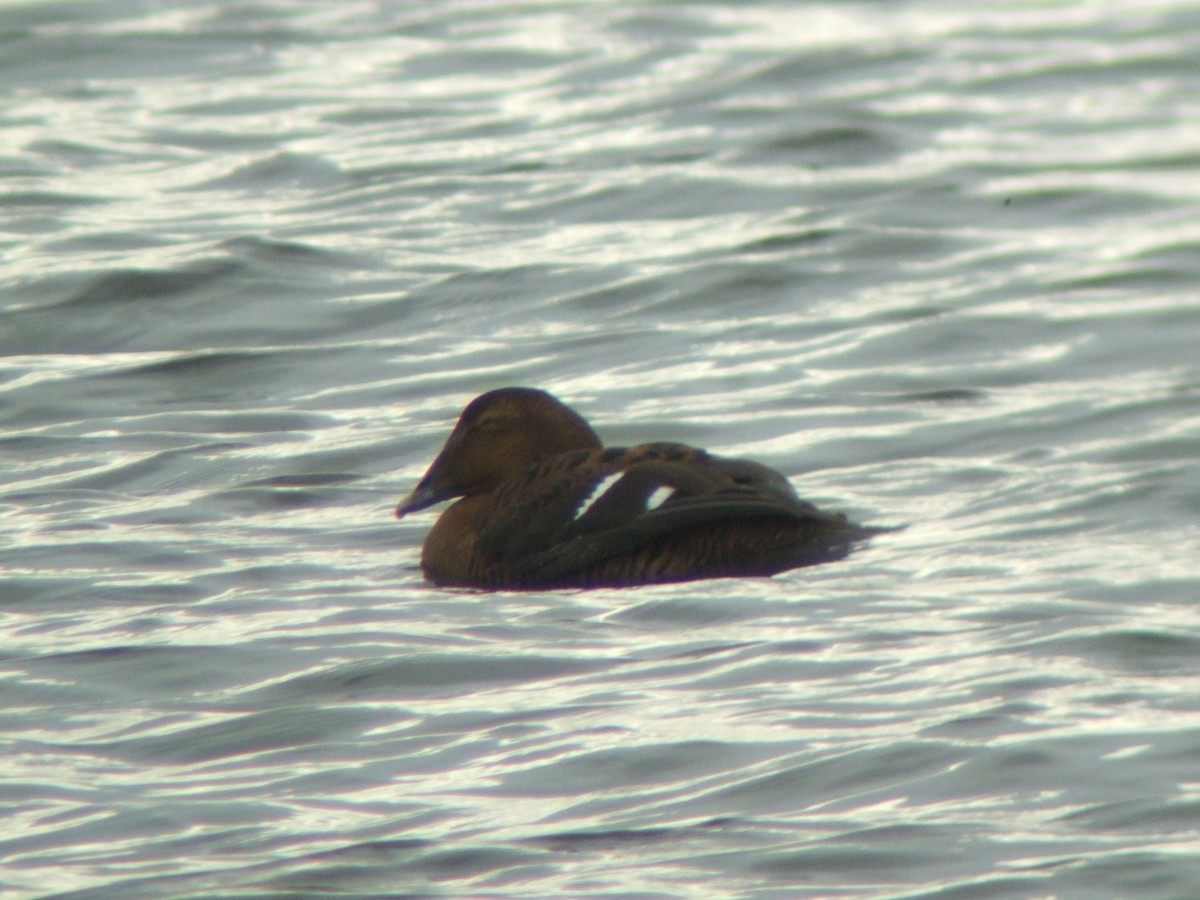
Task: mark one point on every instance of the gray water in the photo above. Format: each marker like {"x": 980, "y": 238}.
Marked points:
{"x": 937, "y": 262}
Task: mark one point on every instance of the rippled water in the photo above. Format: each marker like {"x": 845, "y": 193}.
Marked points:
{"x": 937, "y": 263}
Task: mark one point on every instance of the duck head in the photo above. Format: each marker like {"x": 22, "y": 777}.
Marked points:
{"x": 498, "y": 435}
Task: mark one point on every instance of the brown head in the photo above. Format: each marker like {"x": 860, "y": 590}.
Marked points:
{"x": 499, "y": 434}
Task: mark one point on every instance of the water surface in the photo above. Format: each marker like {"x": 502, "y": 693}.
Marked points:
{"x": 937, "y": 264}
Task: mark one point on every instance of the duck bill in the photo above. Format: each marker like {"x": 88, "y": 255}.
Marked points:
{"x": 423, "y": 495}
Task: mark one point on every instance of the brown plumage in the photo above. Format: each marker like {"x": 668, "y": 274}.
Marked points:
{"x": 544, "y": 505}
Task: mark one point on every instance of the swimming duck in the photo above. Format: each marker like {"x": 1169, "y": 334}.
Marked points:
{"x": 543, "y": 504}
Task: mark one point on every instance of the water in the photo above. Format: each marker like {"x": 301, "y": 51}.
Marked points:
{"x": 937, "y": 263}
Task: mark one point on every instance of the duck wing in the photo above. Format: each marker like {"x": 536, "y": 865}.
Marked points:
{"x": 578, "y": 512}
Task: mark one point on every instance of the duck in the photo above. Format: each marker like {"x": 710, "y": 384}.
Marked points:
{"x": 541, "y": 503}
